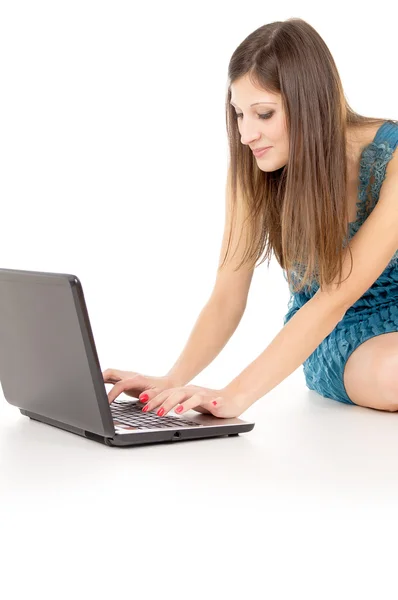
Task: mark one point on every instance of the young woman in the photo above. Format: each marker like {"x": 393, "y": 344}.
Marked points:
{"x": 323, "y": 197}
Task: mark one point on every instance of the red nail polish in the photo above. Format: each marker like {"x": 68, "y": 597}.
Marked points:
{"x": 144, "y": 397}
{"x": 215, "y": 403}
{"x": 160, "y": 412}
{"x": 145, "y": 408}
{"x": 179, "y": 409}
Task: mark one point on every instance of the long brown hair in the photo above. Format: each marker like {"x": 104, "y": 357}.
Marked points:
{"x": 299, "y": 211}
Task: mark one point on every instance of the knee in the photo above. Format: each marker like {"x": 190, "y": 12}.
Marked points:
{"x": 387, "y": 383}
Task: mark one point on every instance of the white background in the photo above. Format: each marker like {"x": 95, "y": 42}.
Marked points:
{"x": 113, "y": 157}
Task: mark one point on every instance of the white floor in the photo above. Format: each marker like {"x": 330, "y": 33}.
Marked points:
{"x": 306, "y": 503}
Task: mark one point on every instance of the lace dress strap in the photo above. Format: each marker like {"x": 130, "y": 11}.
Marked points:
{"x": 372, "y": 170}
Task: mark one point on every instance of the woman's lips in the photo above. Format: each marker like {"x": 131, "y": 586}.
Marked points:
{"x": 259, "y": 153}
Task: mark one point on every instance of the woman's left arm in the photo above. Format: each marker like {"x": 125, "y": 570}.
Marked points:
{"x": 372, "y": 248}
{"x": 301, "y": 335}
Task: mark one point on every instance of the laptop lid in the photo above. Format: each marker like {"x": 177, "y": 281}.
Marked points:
{"x": 48, "y": 360}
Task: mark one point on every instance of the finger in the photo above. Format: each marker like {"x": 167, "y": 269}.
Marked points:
{"x": 109, "y": 376}
{"x": 121, "y": 386}
{"x": 164, "y": 399}
{"x": 191, "y": 402}
{"x": 113, "y": 376}
{"x": 149, "y": 394}
{"x": 177, "y": 400}
{"x": 111, "y": 380}
{"x": 212, "y": 403}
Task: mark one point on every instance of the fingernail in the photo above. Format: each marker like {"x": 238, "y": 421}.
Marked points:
{"x": 179, "y": 409}
{"x": 215, "y": 403}
{"x": 145, "y": 408}
{"x": 160, "y": 412}
{"x": 143, "y": 397}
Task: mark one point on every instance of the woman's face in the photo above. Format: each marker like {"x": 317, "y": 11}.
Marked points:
{"x": 261, "y": 125}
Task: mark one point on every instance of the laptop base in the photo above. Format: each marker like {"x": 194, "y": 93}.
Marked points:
{"x": 151, "y": 437}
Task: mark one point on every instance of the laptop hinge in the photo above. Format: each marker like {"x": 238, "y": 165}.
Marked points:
{"x": 97, "y": 438}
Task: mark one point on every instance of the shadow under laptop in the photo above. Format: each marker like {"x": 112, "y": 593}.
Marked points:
{"x": 38, "y": 455}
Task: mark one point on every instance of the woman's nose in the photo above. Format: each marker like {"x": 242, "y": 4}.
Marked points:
{"x": 250, "y": 141}
{"x": 250, "y": 136}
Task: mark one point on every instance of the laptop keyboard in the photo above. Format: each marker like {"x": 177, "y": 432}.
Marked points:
{"x": 130, "y": 416}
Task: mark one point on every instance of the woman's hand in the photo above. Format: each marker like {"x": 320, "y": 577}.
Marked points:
{"x": 204, "y": 400}
{"x": 132, "y": 383}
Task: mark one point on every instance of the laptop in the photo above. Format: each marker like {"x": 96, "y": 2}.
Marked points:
{"x": 49, "y": 369}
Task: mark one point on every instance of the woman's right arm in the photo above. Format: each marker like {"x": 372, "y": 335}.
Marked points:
{"x": 212, "y": 330}
{"x": 222, "y": 313}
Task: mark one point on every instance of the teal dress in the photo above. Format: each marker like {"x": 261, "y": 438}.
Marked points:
{"x": 376, "y": 312}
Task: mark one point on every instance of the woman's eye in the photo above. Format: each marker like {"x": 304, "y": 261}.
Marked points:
{"x": 267, "y": 116}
